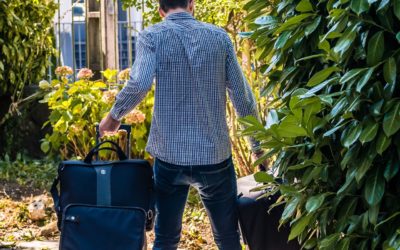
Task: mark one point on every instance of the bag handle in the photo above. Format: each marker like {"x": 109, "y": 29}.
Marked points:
{"x": 96, "y": 149}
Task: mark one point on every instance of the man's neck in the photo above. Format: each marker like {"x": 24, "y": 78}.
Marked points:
{"x": 178, "y": 10}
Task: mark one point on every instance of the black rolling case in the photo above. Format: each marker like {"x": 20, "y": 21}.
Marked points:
{"x": 259, "y": 228}
{"x": 103, "y": 205}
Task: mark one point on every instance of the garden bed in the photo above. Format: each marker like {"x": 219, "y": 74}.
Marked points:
{"x": 18, "y": 231}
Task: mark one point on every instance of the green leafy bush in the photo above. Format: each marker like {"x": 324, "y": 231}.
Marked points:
{"x": 77, "y": 107}
{"x": 28, "y": 172}
{"x": 335, "y": 128}
{"x": 25, "y": 43}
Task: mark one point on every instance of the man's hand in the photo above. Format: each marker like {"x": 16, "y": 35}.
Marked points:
{"x": 257, "y": 155}
{"x": 108, "y": 124}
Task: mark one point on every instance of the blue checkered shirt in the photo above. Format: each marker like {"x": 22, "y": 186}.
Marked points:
{"x": 194, "y": 65}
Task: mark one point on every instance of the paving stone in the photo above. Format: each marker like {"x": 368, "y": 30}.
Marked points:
{"x": 38, "y": 245}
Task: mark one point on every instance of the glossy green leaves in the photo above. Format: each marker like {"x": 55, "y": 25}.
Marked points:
{"x": 359, "y": 6}
{"x": 391, "y": 121}
{"x": 374, "y": 188}
{"x": 376, "y": 47}
{"x": 335, "y": 129}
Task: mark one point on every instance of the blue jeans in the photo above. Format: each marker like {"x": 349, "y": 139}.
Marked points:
{"x": 216, "y": 185}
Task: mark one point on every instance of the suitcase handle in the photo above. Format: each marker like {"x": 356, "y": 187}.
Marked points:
{"x": 128, "y": 129}
{"x": 117, "y": 149}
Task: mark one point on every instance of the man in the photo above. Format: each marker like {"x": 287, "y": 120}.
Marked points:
{"x": 194, "y": 63}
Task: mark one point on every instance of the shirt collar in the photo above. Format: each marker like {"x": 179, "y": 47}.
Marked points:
{"x": 179, "y": 15}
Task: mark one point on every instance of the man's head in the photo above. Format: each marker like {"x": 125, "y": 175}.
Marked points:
{"x": 169, "y": 6}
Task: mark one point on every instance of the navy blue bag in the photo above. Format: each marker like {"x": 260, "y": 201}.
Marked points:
{"x": 104, "y": 204}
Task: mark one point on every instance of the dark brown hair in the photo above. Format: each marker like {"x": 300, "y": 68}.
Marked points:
{"x": 167, "y": 5}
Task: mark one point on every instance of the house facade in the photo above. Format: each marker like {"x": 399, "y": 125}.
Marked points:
{"x": 71, "y": 31}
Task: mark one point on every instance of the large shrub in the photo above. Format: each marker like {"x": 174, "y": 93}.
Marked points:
{"x": 335, "y": 125}
{"x": 25, "y": 43}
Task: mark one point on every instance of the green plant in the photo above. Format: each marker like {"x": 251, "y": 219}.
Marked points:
{"x": 335, "y": 126}
{"x": 76, "y": 108}
{"x": 28, "y": 172}
{"x": 25, "y": 43}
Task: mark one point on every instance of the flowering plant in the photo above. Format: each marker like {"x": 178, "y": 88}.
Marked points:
{"x": 85, "y": 74}
{"x": 76, "y": 107}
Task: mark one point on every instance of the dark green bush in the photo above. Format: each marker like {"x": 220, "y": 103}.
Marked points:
{"x": 28, "y": 172}
{"x": 335, "y": 128}
{"x": 25, "y": 43}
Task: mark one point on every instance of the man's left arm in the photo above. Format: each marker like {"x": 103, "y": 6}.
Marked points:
{"x": 141, "y": 79}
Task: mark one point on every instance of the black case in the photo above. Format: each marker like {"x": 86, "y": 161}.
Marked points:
{"x": 259, "y": 228}
{"x": 104, "y": 204}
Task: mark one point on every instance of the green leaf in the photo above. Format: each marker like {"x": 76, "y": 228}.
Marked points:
{"x": 383, "y": 5}
{"x": 376, "y": 47}
{"x": 349, "y": 182}
{"x": 245, "y": 34}
{"x": 329, "y": 241}
{"x": 374, "y": 188}
{"x": 364, "y": 80}
{"x": 304, "y": 6}
{"x": 373, "y": 212}
{"x": 376, "y": 108}
{"x": 313, "y": 26}
{"x": 333, "y": 130}
{"x": 251, "y": 121}
{"x": 315, "y": 202}
{"x": 290, "y": 208}
{"x": 344, "y": 244}
{"x": 45, "y": 146}
{"x": 398, "y": 37}
{"x": 352, "y": 135}
{"x": 292, "y": 21}
{"x": 265, "y": 20}
{"x": 310, "y": 243}
{"x": 290, "y": 127}
{"x": 366, "y": 162}
{"x": 383, "y": 143}
{"x": 299, "y": 226}
{"x": 346, "y": 40}
{"x": 396, "y": 8}
{"x": 282, "y": 39}
{"x": 321, "y": 76}
{"x": 317, "y": 88}
{"x": 369, "y": 131}
{"x": 392, "y": 168}
{"x": 359, "y": 6}
{"x": 391, "y": 121}
{"x": 339, "y": 106}
{"x": 390, "y": 71}
{"x": 272, "y": 118}
{"x": 263, "y": 177}
{"x": 351, "y": 75}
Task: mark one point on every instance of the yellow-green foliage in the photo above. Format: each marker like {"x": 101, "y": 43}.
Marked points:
{"x": 25, "y": 43}
{"x": 77, "y": 107}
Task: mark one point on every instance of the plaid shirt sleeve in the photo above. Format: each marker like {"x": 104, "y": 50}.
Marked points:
{"x": 141, "y": 78}
{"x": 239, "y": 90}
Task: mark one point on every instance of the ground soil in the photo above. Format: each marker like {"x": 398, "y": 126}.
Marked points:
{"x": 18, "y": 231}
